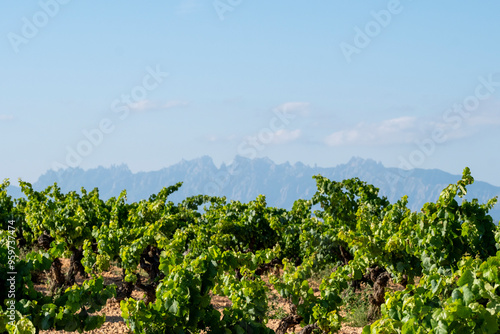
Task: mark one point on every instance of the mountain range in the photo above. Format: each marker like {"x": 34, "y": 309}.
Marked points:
{"x": 244, "y": 179}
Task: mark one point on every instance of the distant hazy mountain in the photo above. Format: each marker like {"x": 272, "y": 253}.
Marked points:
{"x": 245, "y": 179}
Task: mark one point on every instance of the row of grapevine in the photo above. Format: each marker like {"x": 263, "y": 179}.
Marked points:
{"x": 24, "y": 309}
{"x": 181, "y": 255}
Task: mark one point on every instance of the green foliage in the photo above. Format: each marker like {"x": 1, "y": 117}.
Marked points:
{"x": 465, "y": 302}
{"x": 184, "y": 295}
{"x": 69, "y": 312}
{"x": 6, "y": 205}
{"x": 34, "y": 310}
{"x": 356, "y": 305}
{"x": 192, "y": 254}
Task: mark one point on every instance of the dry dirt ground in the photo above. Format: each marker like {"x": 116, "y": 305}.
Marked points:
{"x": 115, "y": 324}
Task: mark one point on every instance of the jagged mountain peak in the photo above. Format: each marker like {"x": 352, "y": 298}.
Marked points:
{"x": 360, "y": 162}
{"x": 244, "y": 179}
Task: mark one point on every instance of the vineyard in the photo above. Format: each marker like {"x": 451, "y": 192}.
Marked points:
{"x": 182, "y": 256}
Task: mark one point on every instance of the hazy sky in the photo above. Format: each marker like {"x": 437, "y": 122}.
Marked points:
{"x": 148, "y": 83}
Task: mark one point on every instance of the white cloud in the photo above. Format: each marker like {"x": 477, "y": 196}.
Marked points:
{"x": 454, "y": 123}
{"x": 4, "y": 117}
{"x": 391, "y": 131}
{"x": 486, "y": 116}
{"x": 142, "y": 105}
{"x": 211, "y": 138}
{"x": 218, "y": 138}
{"x": 285, "y": 136}
{"x": 298, "y": 108}
{"x": 458, "y": 123}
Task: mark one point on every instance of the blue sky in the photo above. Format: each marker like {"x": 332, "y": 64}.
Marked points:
{"x": 407, "y": 83}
